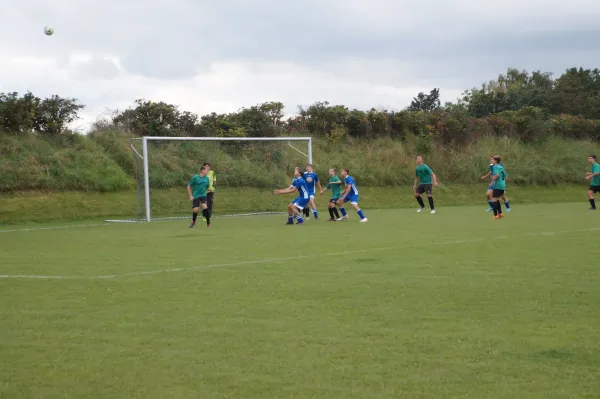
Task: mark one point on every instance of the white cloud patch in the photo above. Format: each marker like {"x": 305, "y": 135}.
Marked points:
{"x": 220, "y": 56}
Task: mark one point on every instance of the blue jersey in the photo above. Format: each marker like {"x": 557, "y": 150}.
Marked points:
{"x": 349, "y": 181}
{"x": 311, "y": 178}
{"x": 300, "y": 185}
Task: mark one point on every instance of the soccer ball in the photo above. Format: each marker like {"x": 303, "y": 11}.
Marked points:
{"x": 48, "y": 30}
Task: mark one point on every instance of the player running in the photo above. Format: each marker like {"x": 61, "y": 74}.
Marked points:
{"x": 296, "y": 206}
{"x": 594, "y": 176}
{"x": 311, "y": 178}
{"x": 335, "y": 185}
{"x": 498, "y": 186}
{"x": 424, "y": 176}
{"x": 197, "y": 191}
{"x": 350, "y": 195}
{"x": 488, "y": 193}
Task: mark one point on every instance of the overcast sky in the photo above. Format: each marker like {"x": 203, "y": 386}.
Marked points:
{"x": 221, "y": 55}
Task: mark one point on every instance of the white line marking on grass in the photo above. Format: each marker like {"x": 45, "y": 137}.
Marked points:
{"x": 274, "y": 260}
{"x": 55, "y": 227}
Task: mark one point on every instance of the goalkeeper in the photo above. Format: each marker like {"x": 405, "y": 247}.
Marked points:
{"x": 210, "y": 192}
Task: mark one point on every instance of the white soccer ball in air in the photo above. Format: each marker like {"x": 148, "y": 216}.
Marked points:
{"x": 48, "y": 30}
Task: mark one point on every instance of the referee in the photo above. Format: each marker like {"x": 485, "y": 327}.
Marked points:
{"x": 212, "y": 177}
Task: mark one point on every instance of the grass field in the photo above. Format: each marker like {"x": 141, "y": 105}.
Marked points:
{"x": 406, "y": 306}
{"x": 35, "y": 207}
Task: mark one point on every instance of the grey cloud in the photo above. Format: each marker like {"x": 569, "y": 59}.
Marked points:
{"x": 96, "y": 68}
{"x": 439, "y": 41}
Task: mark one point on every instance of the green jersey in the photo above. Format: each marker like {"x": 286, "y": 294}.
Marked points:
{"x": 500, "y": 183}
{"x": 199, "y": 185}
{"x": 335, "y": 185}
{"x": 595, "y": 179}
{"x": 424, "y": 173}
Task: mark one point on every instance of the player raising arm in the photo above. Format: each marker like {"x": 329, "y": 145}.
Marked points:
{"x": 423, "y": 177}
{"x": 594, "y": 176}
{"x": 350, "y": 195}
{"x": 335, "y": 185}
{"x": 296, "y": 206}
{"x": 197, "y": 191}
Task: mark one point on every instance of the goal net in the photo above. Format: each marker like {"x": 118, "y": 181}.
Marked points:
{"x": 246, "y": 170}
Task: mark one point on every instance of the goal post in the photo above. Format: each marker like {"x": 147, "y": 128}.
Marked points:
{"x": 148, "y": 144}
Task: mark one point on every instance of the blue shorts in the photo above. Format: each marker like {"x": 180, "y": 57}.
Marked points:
{"x": 300, "y": 202}
{"x": 311, "y": 193}
{"x": 353, "y": 199}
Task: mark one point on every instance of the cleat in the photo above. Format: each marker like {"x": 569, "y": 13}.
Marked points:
{"x": 208, "y": 226}
{"x": 432, "y": 211}
{"x": 192, "y": 226}
{"x": 507, "y": 209}
{"x": 331, "y": 220}
{"x": 592, "y": 209}
{"x": 420, "y": 210}
{"x": 495, "y": 217}
{"x": 489, "y": 210}
{"x": 500, "y": 215}
{"x": 365, "y": 220}
{"x": 289, "y": 223}
{"x": 298, "y": 223}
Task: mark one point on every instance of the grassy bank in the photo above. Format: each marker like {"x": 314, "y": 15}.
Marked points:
{"x": 105, "y": 163}
{"x": 31, "y": 206}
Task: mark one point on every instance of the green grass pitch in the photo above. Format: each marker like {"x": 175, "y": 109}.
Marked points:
{"x": 451, "y": 305}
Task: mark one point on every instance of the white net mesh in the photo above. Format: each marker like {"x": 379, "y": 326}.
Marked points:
{"x": 246, "y": 174}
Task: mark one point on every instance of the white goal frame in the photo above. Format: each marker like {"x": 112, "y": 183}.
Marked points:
{"x": 144, "y": 156}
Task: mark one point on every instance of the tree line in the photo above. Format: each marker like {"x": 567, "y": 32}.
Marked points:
{"x": 518, "y": 104}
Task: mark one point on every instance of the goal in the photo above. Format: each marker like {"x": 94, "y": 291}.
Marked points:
{"x": 245, "y": 167}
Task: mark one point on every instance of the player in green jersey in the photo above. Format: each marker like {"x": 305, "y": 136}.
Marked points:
{"x": 335, "y": 185}
{"x": 424, "y": 176}
{"x": 498, "y": 186}
{"x": 197, "y": 191}
{"x": 210, "y": 193}
{"x": 594, "y": 176}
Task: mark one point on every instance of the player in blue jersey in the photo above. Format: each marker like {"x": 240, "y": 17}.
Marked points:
{"x": 490, "y": 189}
{"x": 296, "y": 206}
{"x": 350, "y": 195}
{"x": 311, "y": 178}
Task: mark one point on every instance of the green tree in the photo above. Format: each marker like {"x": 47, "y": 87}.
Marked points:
{"x": 17, "y": 114}
{"x": 54, "y": 114}
{"x": 426, "y": 102}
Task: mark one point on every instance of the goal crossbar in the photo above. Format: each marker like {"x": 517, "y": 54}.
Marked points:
{"x": 146, "y": 139}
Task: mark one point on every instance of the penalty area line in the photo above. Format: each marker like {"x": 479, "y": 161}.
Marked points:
{"x": 282, "y": 259}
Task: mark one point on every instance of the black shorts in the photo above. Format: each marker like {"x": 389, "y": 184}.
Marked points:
{"x": 424, "y": 188}
{"x": 334, "y": 200}
{"x": 200, "y": 200}
{"x": 595, "y": 189}
{"x": 210, "y": 196}
{"x": 497, "y": 193}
